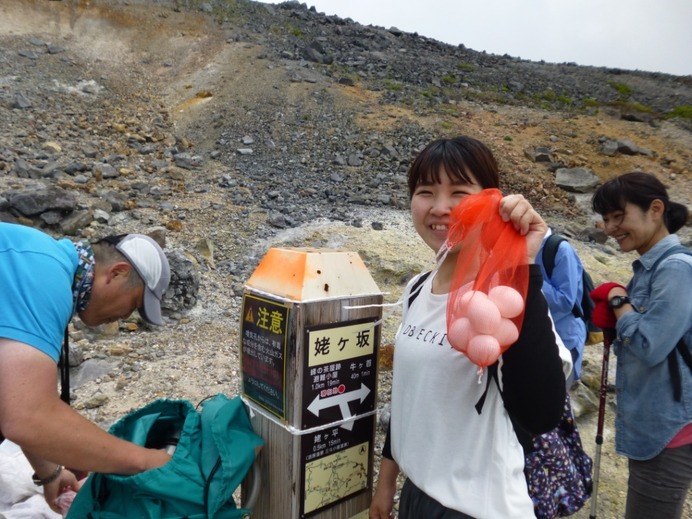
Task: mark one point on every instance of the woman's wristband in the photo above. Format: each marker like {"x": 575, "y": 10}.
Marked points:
{"x": 41, "y": 482}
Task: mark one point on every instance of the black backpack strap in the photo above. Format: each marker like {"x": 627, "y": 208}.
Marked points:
{"x": 550, "y": 247}
{"x": 525, "y": 438}
{"x": 673, "y": 364}
{"x": 552, "y": 243}
{"x": 491, "y": 372}
{"x": 685, "y": 353}
{"x": 415, "y": 288}
{"x": 64, "y": 366}
{"x": 674, "y": 367}
{"x": 677, "y": 249}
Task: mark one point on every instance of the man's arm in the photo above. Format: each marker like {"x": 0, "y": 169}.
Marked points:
{"x": 56, "y": 479}
{"x": 33, "y": 416}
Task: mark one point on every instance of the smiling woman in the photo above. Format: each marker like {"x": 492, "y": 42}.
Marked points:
{"x": 436, "y": 384}
{"x": 637, "y": 212}
{"x": 653, "y": 320}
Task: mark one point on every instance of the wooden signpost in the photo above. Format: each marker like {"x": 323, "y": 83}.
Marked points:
{"x": 310, "y": 335}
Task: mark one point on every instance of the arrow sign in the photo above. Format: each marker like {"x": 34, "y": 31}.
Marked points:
{"x": 342, "y": 401}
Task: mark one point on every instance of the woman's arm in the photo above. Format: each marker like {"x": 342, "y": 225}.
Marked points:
{"x": 667, "y": 316}
{"x": 383, "y": 499}
{"x": 532, "y": 378}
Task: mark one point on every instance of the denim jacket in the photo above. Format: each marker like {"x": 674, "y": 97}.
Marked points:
{"x": 648, "y": 417}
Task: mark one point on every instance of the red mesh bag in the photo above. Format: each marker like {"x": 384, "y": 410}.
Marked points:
{"x": 485, "y": 309}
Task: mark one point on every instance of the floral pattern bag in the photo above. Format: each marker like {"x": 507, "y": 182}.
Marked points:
{"x": 558, "y": 471}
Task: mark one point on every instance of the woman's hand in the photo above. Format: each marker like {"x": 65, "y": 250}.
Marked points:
{"x": 383, "y": 500}
{"x": 603, "y": 316}
{"x": 518, "y": 210}
{"x": 382, "y": 503}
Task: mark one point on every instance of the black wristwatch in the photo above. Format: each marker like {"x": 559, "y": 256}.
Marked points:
{"x": 618, "y": 302}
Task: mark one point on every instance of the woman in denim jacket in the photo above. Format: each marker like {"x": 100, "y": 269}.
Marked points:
{"x": 651, "y": 316}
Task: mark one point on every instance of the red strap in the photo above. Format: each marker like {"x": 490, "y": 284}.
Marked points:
{"x": 684, "y": 437}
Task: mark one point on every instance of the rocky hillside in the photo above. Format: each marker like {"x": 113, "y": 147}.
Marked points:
{"x": 228, "y": 127}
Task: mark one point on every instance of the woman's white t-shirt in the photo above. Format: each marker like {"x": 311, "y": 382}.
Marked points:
{"x": 467, "y": 462}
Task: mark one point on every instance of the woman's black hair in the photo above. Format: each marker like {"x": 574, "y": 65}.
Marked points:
{"x": 639, "y": 189}
{"x": 459, "y": 157}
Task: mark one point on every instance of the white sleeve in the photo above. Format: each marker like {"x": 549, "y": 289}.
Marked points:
{"x": 565, "y": 355}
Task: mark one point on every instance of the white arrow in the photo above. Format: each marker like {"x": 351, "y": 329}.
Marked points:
{"x": 341, "y": 400}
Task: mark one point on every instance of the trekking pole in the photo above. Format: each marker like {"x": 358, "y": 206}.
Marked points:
{"x": 607, "y": 340}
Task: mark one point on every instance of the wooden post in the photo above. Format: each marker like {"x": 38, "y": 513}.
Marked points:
{"x": 309, "y": 350}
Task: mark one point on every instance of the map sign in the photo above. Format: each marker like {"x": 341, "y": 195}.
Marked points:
{"x": 335, "y": 464}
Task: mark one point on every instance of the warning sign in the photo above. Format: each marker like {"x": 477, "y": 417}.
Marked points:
{"x": 263, "y": 352}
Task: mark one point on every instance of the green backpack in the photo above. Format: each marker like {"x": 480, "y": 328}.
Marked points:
{"x": 214, "y": 452}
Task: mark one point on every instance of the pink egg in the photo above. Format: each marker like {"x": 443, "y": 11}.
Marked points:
{"x": 459, "y": 333}
{"x": 508, "y": 300}
{"x": 483, "y": 350}
{"x": 507, "y": 333}
{"x": 461, "y": 305}
{"x": 483, "y": 314}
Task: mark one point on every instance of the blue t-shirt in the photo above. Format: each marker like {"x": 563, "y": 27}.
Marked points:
{"x": 36, "y": 274}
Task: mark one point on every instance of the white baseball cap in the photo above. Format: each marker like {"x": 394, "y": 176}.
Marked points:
{"x": 150, "y": 262}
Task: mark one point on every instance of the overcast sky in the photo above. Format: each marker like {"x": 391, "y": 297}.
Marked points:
{"x": 651, "y": 35}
